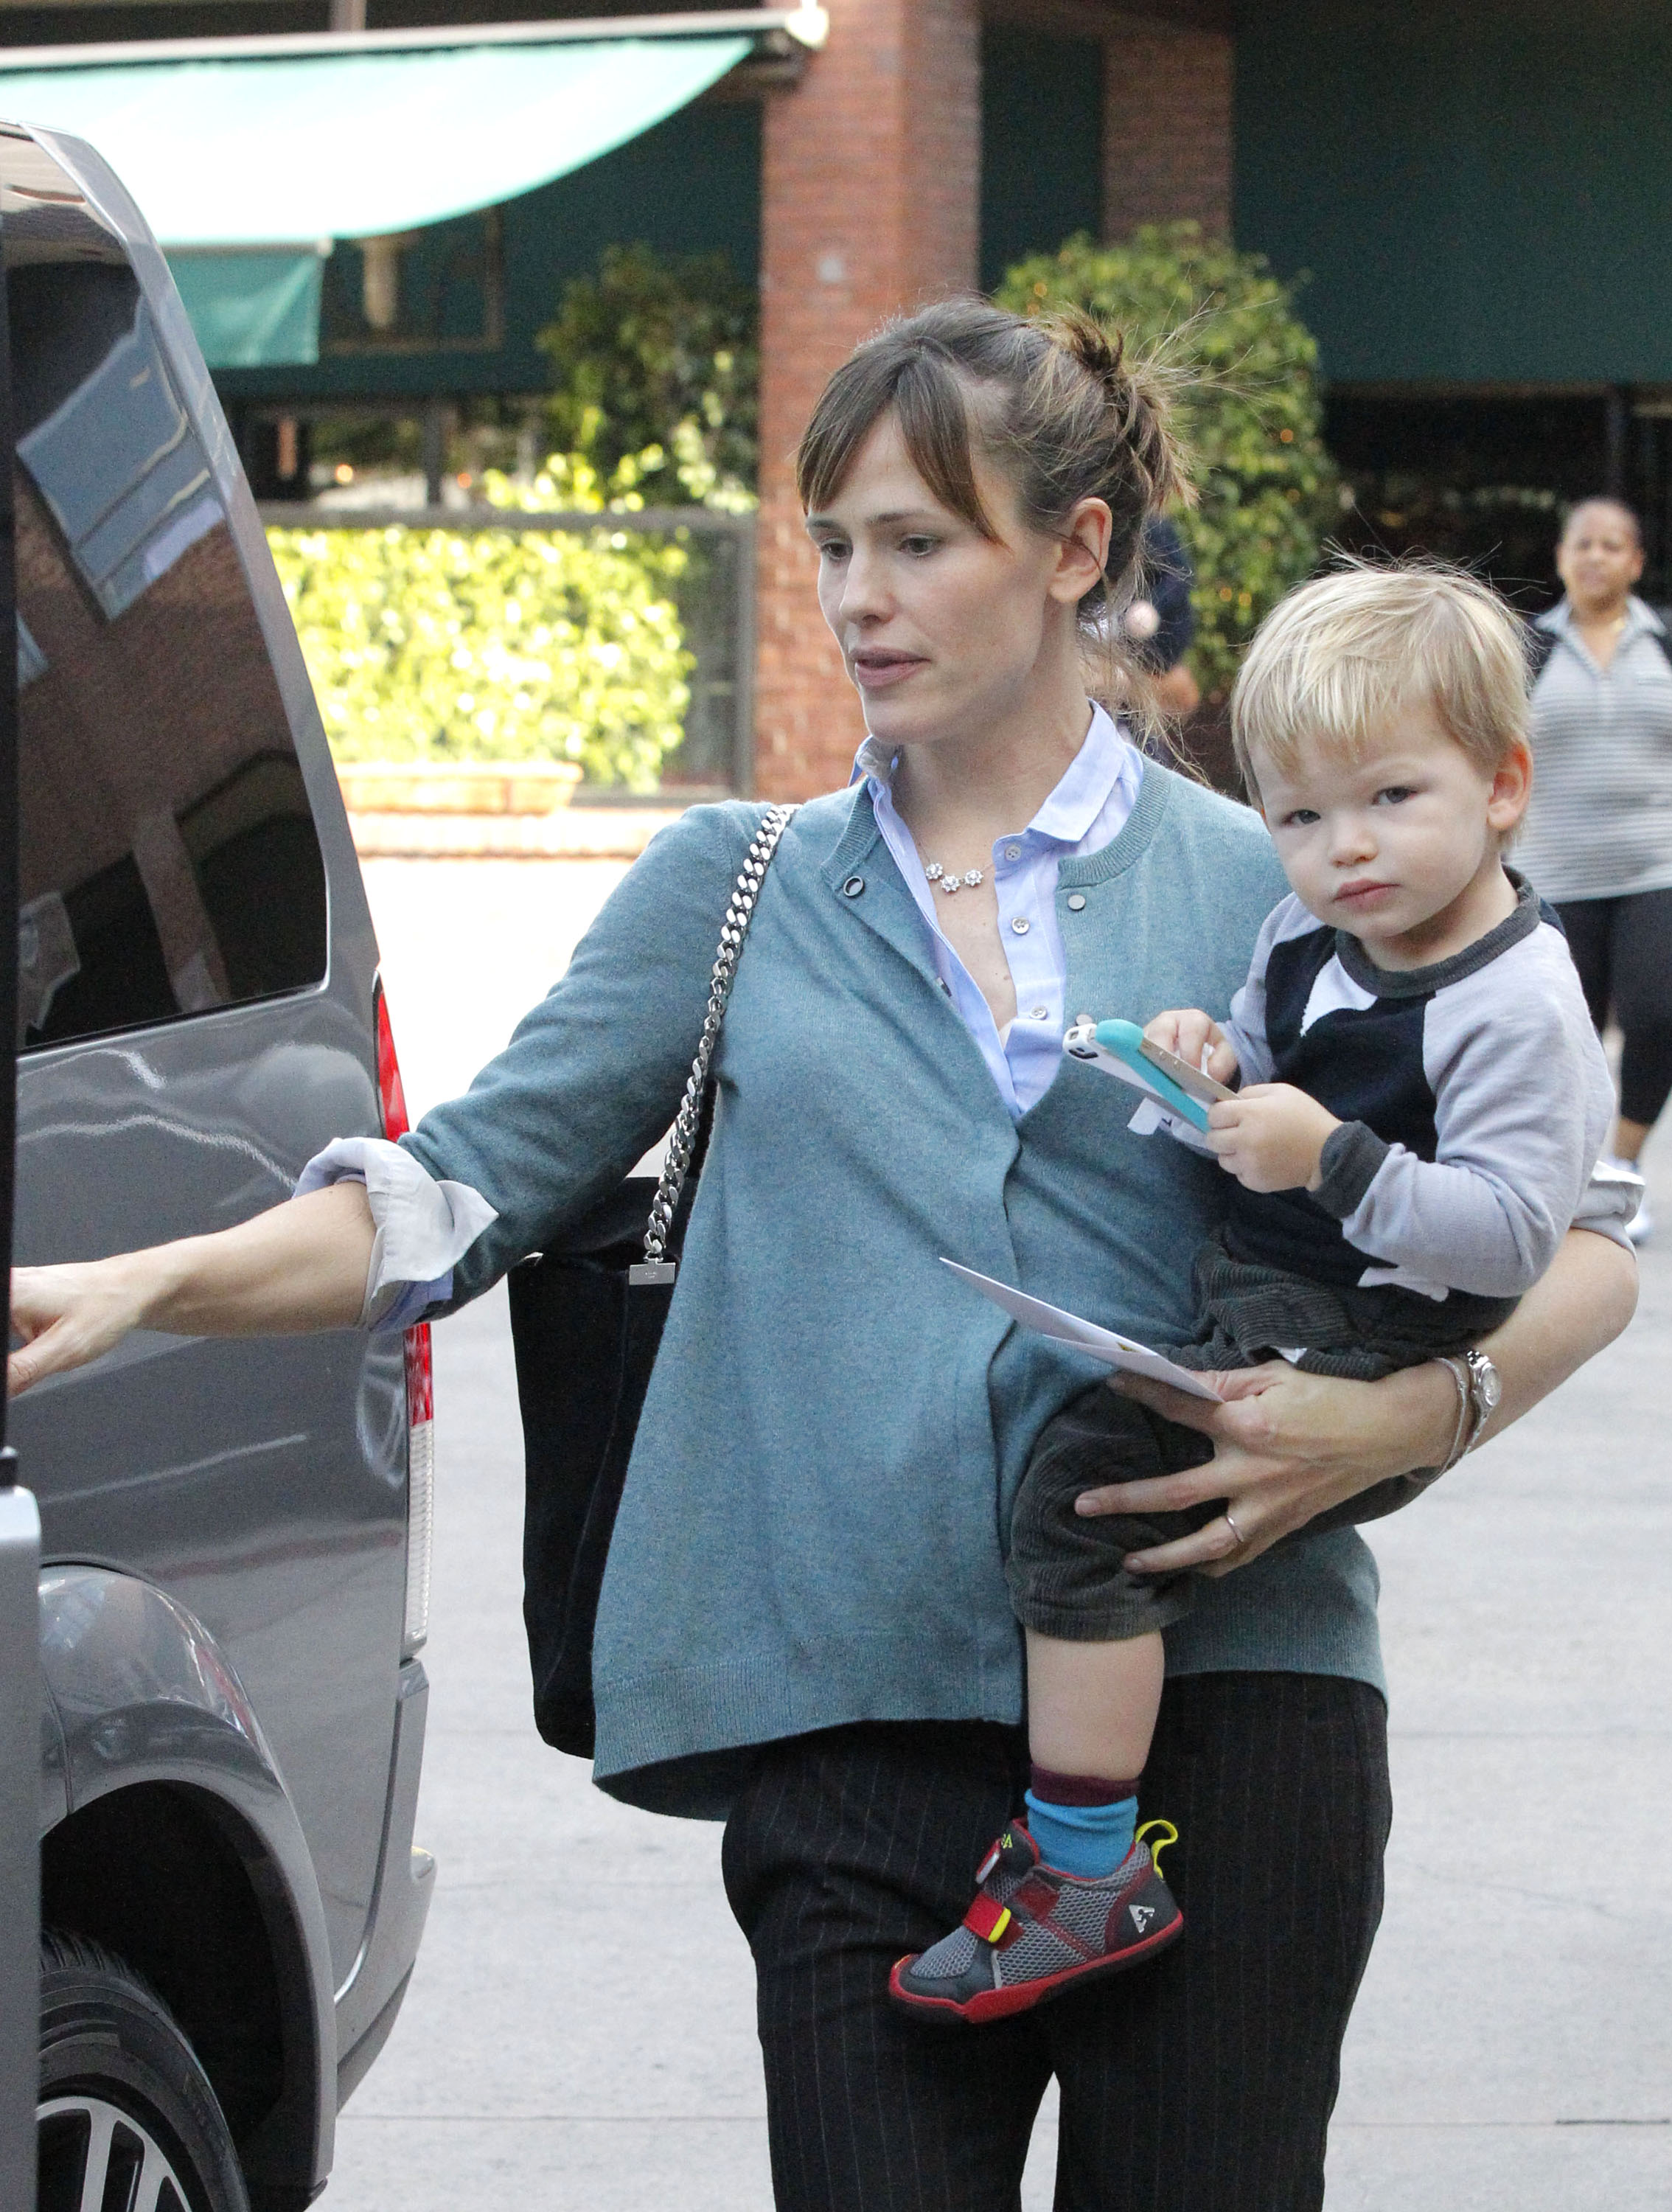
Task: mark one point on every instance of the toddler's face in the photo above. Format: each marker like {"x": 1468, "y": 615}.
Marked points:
{"x": 1381, "y": 845}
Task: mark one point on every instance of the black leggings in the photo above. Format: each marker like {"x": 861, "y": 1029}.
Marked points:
{"x": 1622, "y": 948}
{"x": 1202, "y": 2082}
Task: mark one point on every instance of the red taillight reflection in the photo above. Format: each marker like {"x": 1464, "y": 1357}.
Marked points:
{"x": 391, "y": 1097}
{"x": 392, "y": 1102}
{"x": 420, "y": 1377}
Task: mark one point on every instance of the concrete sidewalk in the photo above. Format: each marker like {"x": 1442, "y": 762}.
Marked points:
{"x": 1513, "y": 2046}
{"x": 1510, "y": 2049}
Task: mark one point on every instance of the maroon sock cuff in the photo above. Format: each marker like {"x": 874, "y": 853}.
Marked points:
{"x": 1053, "y": 1789}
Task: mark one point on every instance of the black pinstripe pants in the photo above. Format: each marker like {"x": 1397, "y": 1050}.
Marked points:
{"x": 1200, "y": 2083}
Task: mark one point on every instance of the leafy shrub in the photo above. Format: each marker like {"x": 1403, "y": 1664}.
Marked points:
{"x": 658, "y": 350}
{"x": 1248, "y": 410}
{"x": 466, "y": 646}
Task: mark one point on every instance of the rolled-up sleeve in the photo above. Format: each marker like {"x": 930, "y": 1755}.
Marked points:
{"x": 1610, "y": 1203}
{"x": 423, "y": 1225}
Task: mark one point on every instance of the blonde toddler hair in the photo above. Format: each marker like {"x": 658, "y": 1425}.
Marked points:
{"x": 1338, "y": 656}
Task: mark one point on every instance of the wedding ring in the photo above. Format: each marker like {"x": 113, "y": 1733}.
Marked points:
{"x": 1234, "y": 1529}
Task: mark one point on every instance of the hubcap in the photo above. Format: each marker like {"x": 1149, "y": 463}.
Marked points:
{"x": 95, "y": 2157}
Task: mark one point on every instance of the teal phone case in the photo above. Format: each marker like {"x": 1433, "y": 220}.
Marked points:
{"x": 1125, "y": 1039}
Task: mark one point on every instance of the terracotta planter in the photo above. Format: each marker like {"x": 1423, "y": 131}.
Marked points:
{"x": 466, "y": 788}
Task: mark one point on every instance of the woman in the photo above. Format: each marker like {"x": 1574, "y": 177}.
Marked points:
{"x": 1597, "y": 839}
{"x": 805, "y": 1627}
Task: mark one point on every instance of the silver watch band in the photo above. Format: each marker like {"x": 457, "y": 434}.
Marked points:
{"x": 1478, "y": 1394}
{"x": 1468, "y": 1421}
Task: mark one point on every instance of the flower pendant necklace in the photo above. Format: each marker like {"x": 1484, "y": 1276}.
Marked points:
{"x": 948, "y": 879}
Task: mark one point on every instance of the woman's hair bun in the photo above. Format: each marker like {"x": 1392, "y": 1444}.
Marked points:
{"x": 1137, "y": 392}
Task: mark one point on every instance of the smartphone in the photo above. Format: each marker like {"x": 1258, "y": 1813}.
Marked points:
{"x": 1121, "y": 1048}
{"x": 1200, "y": 1086}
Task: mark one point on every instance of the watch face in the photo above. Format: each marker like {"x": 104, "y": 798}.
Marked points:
{"x": 1489, "y": 1384}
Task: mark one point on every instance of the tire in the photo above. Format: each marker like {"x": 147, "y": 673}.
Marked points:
{"x": 126, "y": 2115}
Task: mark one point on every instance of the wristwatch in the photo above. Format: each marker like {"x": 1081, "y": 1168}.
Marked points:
{"x": 1480, "y": 1390}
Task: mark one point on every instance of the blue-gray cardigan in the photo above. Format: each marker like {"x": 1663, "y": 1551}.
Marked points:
{"x": 816, "y": 1515}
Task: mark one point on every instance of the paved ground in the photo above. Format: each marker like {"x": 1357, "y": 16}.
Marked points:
{"x": 1511, "y": 2052}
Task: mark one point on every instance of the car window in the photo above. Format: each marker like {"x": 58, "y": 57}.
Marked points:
{"x": 168, "y": 860}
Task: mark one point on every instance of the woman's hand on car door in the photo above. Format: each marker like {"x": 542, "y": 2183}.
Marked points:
{"x": 301, "y": 1266}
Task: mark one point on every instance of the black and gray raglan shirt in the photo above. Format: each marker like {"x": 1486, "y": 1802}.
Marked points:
{"x": 1473, "y": 1099}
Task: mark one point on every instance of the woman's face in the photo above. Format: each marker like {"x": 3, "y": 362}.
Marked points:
{"x": 944, "y": 632}
{"x": 1599, "y": 559}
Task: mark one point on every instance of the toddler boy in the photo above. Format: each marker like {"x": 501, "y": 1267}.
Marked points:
{"x": 1423, "y": 1100}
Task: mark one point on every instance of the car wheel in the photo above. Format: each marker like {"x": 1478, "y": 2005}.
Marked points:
{"x": 126, "y": 2114}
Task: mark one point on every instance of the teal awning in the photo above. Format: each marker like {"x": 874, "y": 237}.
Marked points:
{"x": 279, "y": 149}
{"x": 258, "y": 309}
{"x": 254, "y": 163}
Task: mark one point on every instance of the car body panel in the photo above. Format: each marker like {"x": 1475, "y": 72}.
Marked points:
{"x": 224, "y": 1521}
{"x": 366, "y": 2002}
{"x": 262, "y": 1480}
{"x": 141, "y": 1692}
{"x": 265, "y": 1481}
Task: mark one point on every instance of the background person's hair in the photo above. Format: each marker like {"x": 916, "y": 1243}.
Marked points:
{"x": 1628, "y": 514}
{"x": 1335, "y": 659}
{"x": 1053, "y": 401}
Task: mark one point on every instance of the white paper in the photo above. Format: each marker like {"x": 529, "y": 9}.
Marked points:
{"x": 1115, "y": 1350}
{"x": 1153, "y": 1111}
{"x": 1151, "y": 1116}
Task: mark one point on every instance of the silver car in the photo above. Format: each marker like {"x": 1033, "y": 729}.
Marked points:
{"x": 235, "y": 1533}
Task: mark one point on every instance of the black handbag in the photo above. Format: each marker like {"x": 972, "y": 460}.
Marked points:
{"x": 586, "y": 1324}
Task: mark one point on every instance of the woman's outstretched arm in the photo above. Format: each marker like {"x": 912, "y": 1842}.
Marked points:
{"x": 591, "y": 1079}
{"x": 302, "y": 1265}
{"x": 1289, "y": 1445}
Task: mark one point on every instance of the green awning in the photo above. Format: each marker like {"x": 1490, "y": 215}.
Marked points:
{"x": 284, "y": 148}
{"x": 285, "y": 152}
{"x": 256, "y": 309}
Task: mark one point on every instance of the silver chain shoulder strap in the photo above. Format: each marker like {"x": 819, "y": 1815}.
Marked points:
{"x": 656, "y": 1266}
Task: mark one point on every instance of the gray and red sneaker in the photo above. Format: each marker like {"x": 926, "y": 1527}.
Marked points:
{"x": 1033, "y": 1932}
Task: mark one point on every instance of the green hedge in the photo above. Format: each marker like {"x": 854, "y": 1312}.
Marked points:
{"x": 442, "y": 645}
{"x": 659, "y": 350}
{"x": 1248, "y": 411}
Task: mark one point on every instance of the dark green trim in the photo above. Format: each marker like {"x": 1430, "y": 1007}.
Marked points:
{"x": 1478, "y": 192}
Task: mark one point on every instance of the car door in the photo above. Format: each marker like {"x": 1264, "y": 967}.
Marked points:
{"x": 196, "y": 970}
{"x": 20, "y": 1526}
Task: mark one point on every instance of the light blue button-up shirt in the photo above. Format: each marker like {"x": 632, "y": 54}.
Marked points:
{"x": 1087, "y": 810}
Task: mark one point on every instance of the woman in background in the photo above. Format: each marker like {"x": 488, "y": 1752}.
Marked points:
{"x": 1597, "y": 838}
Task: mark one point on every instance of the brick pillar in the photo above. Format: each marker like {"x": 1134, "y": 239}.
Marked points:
{"x": 870, "y": 201}
{"x": 1167, "y": 130}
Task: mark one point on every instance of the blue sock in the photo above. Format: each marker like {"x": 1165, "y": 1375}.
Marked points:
{"x": 1083, "y": 1839}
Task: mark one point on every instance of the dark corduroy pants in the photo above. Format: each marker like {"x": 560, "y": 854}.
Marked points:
{"x": 1201, "y": 2081}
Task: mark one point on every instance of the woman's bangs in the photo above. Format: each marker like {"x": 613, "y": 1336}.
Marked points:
{"x": 848, "y": 406}
{"x": 933, "y": 406}
{"x": 931, "y": 402}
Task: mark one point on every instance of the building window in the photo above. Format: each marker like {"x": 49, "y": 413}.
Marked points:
{"x": 439, "y": 291}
